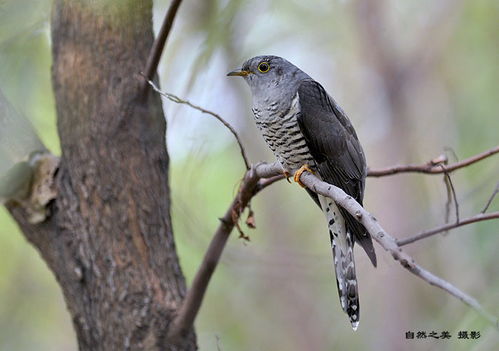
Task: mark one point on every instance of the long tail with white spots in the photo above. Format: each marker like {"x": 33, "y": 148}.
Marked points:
{"x": 344, "y": 264}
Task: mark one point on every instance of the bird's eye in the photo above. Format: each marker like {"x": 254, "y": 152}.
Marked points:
{"x": 264, "y": 67}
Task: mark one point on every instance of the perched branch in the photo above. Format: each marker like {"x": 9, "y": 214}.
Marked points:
{"x": 477, "y": 218}
{"x": 432, "y": 167}
{"x": 389, "y": 243}
{"x": 263, "y": 175}
{"x": 178, "y": 100}
{"x": 159, "y": 43}
{"x": 258, "y": 178}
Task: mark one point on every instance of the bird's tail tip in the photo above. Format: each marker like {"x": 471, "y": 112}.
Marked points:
{"x": 355, "y": 324}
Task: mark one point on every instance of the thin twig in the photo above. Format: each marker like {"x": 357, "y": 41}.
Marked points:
{"x": 430, "y": 167}
{"x": 263, "y": 183}
{"x": 448, "y": 203}
{"x": 178, "y": 100}
{"x": 219, "y": 348}
{"x": 489, "y": 202}
{"x": 453, "y": 152}
{"x": 159, "y": 43}
{"x": 477, "y": 218}
{"x": 451, "y": 195}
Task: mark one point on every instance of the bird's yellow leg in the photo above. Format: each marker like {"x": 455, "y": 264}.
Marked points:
{"x": 287, "y": 175}
{"x": 299, "y": 172}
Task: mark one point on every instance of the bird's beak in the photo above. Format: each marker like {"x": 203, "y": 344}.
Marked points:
{"x": 239, "y": 72}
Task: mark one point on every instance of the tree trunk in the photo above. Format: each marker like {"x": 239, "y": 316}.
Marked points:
{"x": 109, "y": 239}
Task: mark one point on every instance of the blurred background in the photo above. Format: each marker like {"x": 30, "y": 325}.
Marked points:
{"x": 417, "y": 79}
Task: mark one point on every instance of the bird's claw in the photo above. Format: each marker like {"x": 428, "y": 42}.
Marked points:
{"x": 299, "y": 172}
{"x": 287, "y": 175}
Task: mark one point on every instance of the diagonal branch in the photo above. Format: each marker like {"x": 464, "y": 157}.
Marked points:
{"x": 491, "y": 198}
{"x": 178, "y": 100}
{"x": 250, "y": 186}
{"x": 477, "y": 218}
{"x": 159, "y": 43}
{"x": 263, "y": 175}
{"x": 258, "y": 178}
{"x": 389, "y": 243}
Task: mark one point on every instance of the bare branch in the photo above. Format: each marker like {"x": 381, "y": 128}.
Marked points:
{"x": 192, "y": 302}
{"x": 477, "y": 218}
{"x": 263, "y": 175}
{"x": 263, "y": 183}
{"x": 432, "y": 167}
{"x": 389, "y": 243}
{"x": 489, "y": 202}
{"x": 159, "y": 43}
{"x": 448, "y": 203}
{"x": 451, "y": 195}
{"x": 178, "y": 100}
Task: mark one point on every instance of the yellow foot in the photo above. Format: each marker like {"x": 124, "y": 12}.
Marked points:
{"x": 287, "y": 175}
{"x": 299, "y": 172}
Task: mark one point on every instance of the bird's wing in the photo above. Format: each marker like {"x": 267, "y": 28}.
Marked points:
{"x": 333, "y": 143}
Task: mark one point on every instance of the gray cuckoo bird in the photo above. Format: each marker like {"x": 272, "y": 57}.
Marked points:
{"x": 307, "y": 130}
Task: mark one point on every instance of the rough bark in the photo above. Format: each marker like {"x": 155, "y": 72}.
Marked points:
{"x": 109, "y": 239}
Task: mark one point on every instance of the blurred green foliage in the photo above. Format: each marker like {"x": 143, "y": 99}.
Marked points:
{"x": 277, "y": 291}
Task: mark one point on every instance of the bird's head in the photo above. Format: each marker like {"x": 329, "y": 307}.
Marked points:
{"x": 265, "y": 73}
